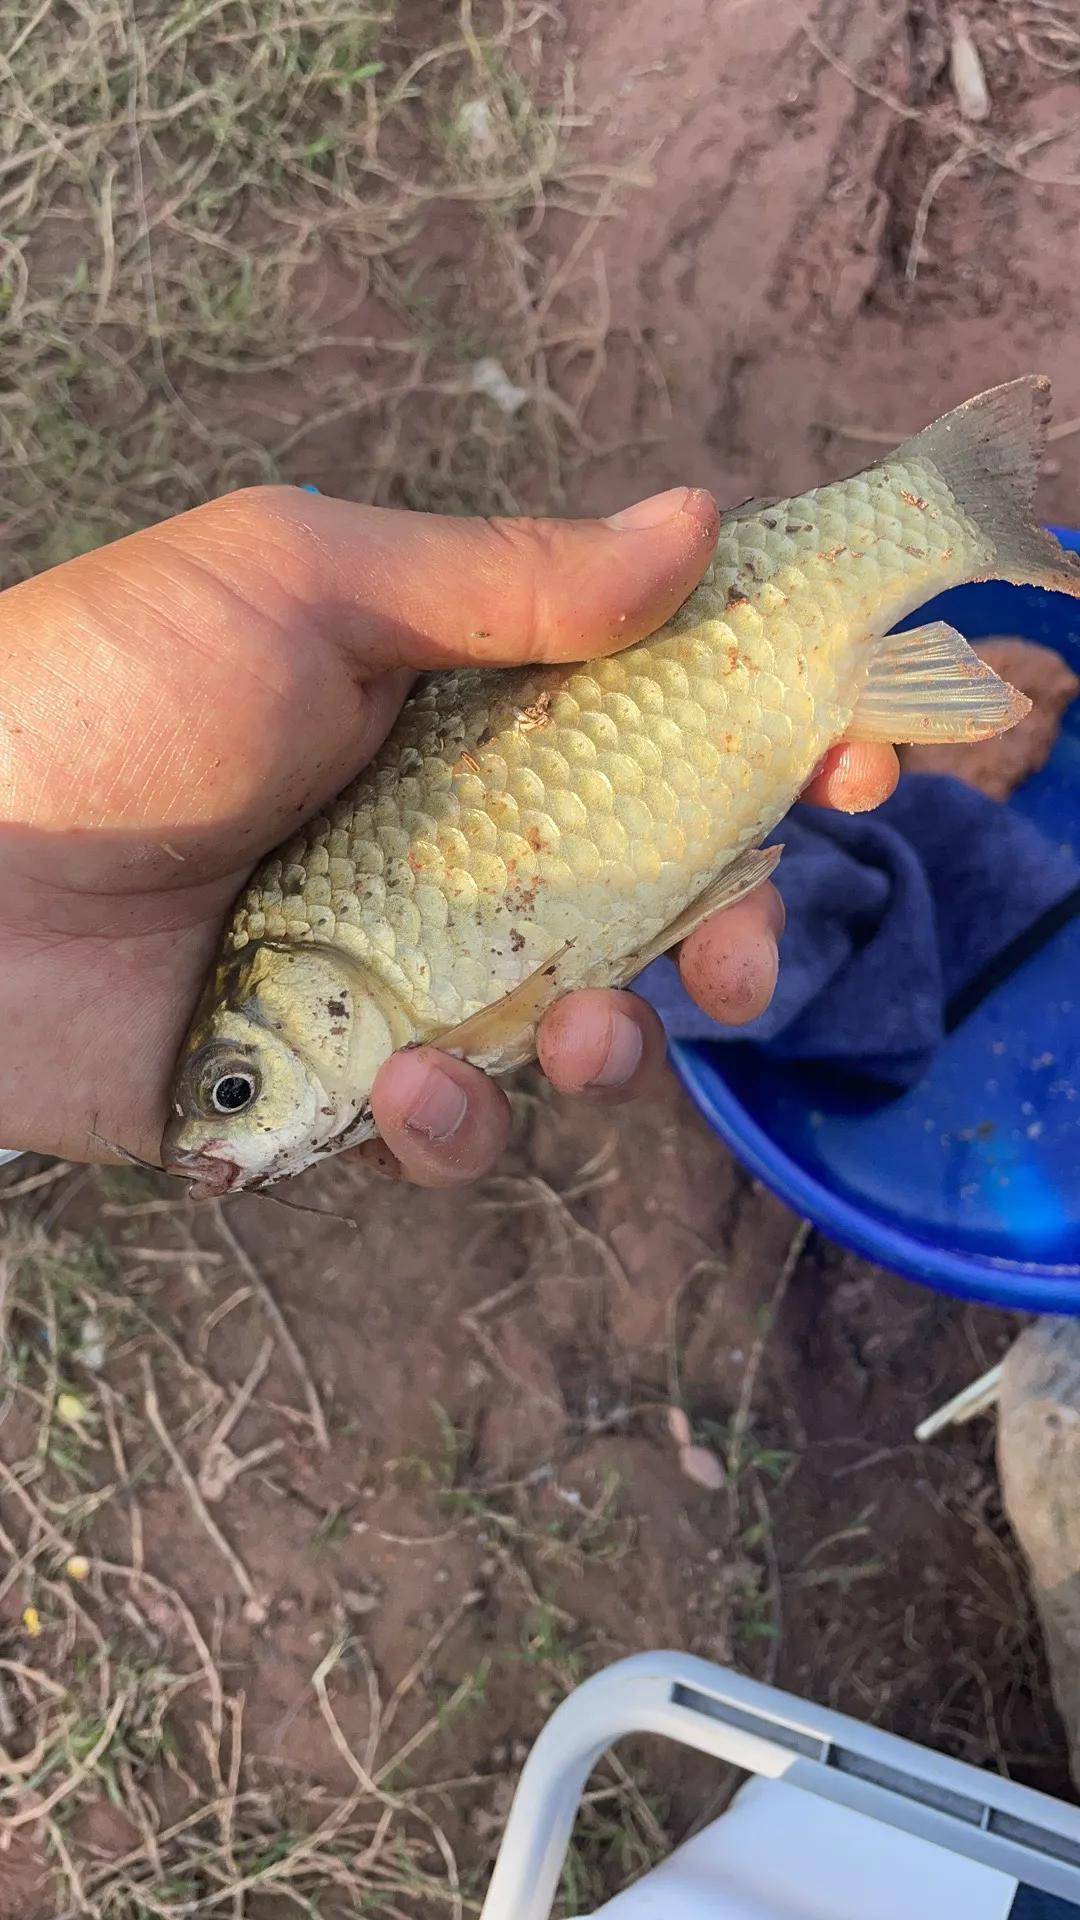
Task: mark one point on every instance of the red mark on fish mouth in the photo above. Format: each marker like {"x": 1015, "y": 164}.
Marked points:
{"x": 212, "y": 1176}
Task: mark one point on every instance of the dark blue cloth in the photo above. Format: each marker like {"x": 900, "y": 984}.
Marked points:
{"x": 890, "y": 914}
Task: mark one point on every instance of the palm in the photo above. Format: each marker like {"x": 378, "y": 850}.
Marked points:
{"x": 144, "y": 815}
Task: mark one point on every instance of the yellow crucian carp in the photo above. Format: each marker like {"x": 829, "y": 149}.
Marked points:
{"x": 522, "y": 833}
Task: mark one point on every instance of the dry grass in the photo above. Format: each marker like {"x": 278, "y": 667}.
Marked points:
{"x": 249, "y": 241}
{"x": 93, "y": 1722}
{"x": 116, "y": 1702}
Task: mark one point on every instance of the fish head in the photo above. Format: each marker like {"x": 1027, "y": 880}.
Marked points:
{"x": 276, "y": 1069}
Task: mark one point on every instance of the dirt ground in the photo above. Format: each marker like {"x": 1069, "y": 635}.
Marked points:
{"x": 307, "y": 1525}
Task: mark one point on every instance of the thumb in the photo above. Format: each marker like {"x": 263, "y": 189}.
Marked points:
{"x": 417, "y": 590}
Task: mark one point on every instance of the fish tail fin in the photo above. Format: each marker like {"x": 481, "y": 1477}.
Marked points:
{"x": 988, "y": 453}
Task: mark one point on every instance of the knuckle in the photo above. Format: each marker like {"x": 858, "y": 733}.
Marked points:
{"x": 260, "y": 544}
{"x": 528, "y": 553}
{"x": 257, "y": 509}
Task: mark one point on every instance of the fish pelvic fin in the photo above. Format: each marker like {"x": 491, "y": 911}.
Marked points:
{"x": 988, "y": 453}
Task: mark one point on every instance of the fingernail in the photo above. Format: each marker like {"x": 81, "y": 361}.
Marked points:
{"x": 650, "y": 513}
{"x": 441, "y": 1108}
{"x": 623, "y": 1056}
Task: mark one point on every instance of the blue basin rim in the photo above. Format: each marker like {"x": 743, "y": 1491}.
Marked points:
{"x": 1003, "y": 1283}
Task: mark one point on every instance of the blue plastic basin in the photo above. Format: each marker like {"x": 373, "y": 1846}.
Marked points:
{"x": 970, "y": 1182}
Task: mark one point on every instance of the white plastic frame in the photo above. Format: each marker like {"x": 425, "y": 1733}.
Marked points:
{"x": 1016, "y": 1830}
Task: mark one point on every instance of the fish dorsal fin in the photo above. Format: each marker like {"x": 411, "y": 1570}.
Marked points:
{"x": 929, "y": 684}
{"x": 503, "y": 1036}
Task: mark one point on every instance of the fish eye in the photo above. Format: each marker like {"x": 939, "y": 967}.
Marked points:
{"x": 232, "y": 1092}
{"x": 226, "y": 1085}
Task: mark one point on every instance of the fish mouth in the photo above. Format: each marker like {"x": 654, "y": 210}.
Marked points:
{"x": 212, "y": 1175}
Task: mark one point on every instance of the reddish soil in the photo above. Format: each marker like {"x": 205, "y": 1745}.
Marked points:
{"x": 771, "y": 269}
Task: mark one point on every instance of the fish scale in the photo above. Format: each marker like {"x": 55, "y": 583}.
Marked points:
{"x": 509, "y": 813}
{"x": 523, "y": 833}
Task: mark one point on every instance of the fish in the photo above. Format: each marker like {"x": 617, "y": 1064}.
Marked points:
{"x": 525, "y": 832}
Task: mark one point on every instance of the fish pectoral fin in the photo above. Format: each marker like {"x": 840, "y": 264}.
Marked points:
{"x": 929, "y": 684}
{"x": 742, "y": 877}
{"x": 503, "y": 1036}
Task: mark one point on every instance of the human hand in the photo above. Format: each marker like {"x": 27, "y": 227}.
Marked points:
{"x": 172, "y": 705}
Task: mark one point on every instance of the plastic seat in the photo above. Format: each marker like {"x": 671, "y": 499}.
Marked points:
{"x": 838, "y": 1821}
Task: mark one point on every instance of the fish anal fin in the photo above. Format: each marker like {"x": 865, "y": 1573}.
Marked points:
{"x": 929, "y": 684}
